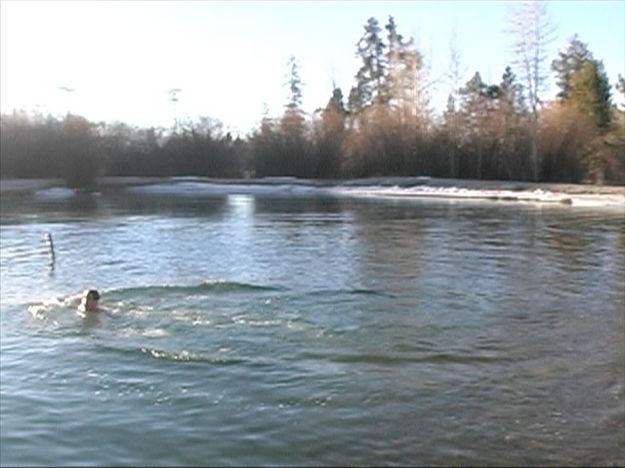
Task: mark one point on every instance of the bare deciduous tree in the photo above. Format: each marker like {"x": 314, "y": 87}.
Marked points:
{"x": 454, "y": 77}
{"x": 532, "y": 33}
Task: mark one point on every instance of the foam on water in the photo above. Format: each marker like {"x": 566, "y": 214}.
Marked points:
{"x": 185, "y": 356}
{"x": 54, "y": 193}
{"x": 148, "y": 333}
{"x": 54, "y": 304}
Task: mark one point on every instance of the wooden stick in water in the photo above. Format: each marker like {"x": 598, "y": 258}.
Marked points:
{"x": 51, "y": 248}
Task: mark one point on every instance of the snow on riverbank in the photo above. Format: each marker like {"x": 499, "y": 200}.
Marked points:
{"x": 397, "y": 188}
{"x": 577, "y": 195}
{"x": 528, "y": 195}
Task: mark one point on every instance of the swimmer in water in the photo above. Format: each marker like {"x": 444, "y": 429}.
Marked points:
{"x": 89, "y": 302}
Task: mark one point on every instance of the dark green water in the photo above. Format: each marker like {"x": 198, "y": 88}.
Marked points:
{"x": 272, "y": 330}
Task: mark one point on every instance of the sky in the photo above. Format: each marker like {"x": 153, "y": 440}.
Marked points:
{"x": 117, "y": 60}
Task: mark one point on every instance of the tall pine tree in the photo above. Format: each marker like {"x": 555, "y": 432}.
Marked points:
{"x": 590, "y": 92}
{"x": 583, "y": 82}
{"x": 293, "y": 119}
{"x": 569, "y": 63}
{"x": 371, "y": 83}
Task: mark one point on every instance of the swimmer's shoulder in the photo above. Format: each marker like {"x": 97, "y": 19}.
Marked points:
{"x": 100, "y": 311}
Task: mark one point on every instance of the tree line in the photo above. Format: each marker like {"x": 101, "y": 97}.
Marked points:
{"x": 383, "y": 127}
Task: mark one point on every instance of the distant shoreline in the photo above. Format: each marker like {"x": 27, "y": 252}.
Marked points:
{"x": 16, "y": 185}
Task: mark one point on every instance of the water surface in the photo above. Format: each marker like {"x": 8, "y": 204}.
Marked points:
{"x": 260, "y": 329}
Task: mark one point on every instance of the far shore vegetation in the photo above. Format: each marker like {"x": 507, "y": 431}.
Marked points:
{"x": 383, "y": 126}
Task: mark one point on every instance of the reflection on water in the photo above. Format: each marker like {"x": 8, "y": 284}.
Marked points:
{"x": 311, "y": 331}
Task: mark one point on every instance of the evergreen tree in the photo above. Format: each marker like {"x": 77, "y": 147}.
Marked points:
{"x": 295, "y": 84}
{"x": 569, "y": 63}
{"x": 293, "y": 119}
{"x": 620, "y": 86}
{"x": 472, "y": 113}
{"x": 511, "y": 92}
{"x": 293, "y": 152}
{"x": 509, "y": 135}
{"x": 355, "y": 101}
{"x": 583, "y": 82}
{"x": 590, "y": 92}
{"x": 472, "y": 96}
{"x": 490, "y": 130}
{"x": 371, "y": 77}
{"x": 330, "y": 133}
{"x": 335, "y": 104}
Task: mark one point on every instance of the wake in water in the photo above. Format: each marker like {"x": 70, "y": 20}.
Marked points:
{"x": 173, "y": 323}
{"x": 213, "y": 322}
{"x": 141, "y": 300}
{"x": 217, "y": 286}
{"x": 51, "y": 307}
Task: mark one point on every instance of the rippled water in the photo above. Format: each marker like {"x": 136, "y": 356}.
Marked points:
{"x": 267, "y": 330}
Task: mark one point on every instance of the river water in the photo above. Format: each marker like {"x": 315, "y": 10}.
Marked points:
{"x": 268, "y": 329}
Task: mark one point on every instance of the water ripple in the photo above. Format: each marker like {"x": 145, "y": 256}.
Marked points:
{"x": 381, "y": 359}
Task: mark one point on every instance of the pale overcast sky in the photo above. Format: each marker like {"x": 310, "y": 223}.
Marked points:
{"x": 229, "y": 58}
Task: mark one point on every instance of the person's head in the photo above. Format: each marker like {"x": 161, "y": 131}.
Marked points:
{"x": 90, "y": 300}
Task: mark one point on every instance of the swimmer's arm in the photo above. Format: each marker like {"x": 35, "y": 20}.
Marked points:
{"x": 105, "y": 311}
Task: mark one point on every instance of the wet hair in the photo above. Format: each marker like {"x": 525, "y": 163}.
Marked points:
{"x": 92, "y": 294}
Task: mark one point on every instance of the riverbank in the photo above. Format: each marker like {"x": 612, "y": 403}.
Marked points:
{"x": 571, "y": 189}
{"x": 379, "y": 187}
